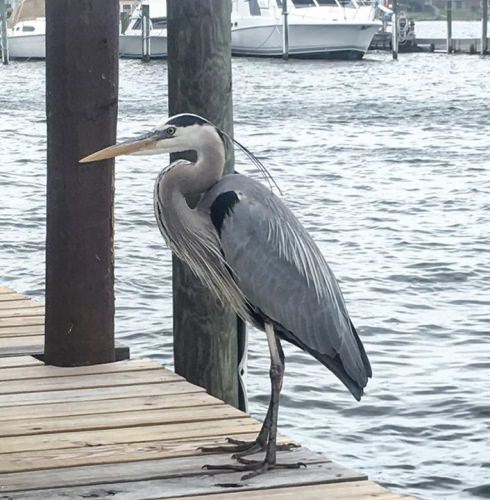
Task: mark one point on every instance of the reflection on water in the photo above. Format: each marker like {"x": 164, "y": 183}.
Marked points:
{"x": 387, "y": 165}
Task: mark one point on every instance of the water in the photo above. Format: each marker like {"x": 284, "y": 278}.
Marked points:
{"x": 387, "y": 165}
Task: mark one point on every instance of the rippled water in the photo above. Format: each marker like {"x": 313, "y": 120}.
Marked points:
{"x": 387, "y": 165}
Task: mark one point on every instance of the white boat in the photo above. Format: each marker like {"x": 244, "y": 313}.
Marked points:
{"x": 131, "y": 41}
{"x": 316, "y": 28}
{"x": 27, "y": 36}
{"x": 341, "y": 29}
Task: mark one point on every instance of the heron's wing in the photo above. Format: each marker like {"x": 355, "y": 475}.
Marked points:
{"x": 284, "y": 276}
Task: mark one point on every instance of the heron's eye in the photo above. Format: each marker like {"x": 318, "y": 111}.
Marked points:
{"x": 170, "y": 130}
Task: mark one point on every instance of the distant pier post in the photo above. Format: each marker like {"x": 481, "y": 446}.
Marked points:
{"x": 81, "y": 107}
{"x": 449, "y": 18}
{"x": 394, "y": 30}
{"x": 484, "y": 25}
{"x": 145, "y": 32}
{"x": 285, "y": 30}
{"x": 3, "y": 27}
{"x": 199, "y": 81}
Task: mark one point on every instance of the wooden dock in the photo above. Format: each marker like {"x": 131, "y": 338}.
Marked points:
{"x": 382, "y": 41}
{"x": 130, "y": 430}
{"x": 459, "y": 45}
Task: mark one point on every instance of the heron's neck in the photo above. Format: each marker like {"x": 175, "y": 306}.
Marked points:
{"x": 196, "y": 178}
{"x": 176, "y": 220}
{"x": 207, "y": 170}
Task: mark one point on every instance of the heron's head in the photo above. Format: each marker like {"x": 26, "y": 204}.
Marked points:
{"x": 182, "y": 132}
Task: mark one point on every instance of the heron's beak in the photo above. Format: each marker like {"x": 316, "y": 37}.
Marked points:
{"x": 145, "y": 143}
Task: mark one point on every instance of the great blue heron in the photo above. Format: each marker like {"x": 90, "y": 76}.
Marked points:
{"x": 244, "y": 244}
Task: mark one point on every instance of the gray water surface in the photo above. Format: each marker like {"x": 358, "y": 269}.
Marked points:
{"x": 387, "y": 165}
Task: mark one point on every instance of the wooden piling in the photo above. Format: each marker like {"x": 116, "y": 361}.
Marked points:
{"x": 3, "y": 27}
{"x": 484, "y": 25}
{"x": 285, "y": 30}
{"x": 449, "y": 19}
{"x": 394, "y": 30}
{"x": 199, "y": 81}
{"x": 81, "y": 102}
{"x": 145, "y": 33}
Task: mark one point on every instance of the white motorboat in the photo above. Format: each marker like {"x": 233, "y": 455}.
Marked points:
{"x": 27, "y": 37}
{"x": 131, "y": 41}
{"x": 341, "y": 29}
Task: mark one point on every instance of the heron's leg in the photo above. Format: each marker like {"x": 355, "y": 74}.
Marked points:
{"x": 276, "y": 374}
{"x": 242, "y": 448}
{"x": 264, "y": 435}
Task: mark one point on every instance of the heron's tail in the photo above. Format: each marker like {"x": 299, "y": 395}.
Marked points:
{"x": 337, "y": 366}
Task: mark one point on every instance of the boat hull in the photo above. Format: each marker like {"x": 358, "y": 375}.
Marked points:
{"x": 329, "y": 41}
{"x": 27, "y": 47}
{"x": 130, "y": 46}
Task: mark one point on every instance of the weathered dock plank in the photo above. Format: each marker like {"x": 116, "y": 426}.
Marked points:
{"x": 132, "y": 434}
{"x": 40, "y": 371}
{"x": 21, "y": 331}
{"x": 32, "y": 310}
{"x": 88, "y": 381}
{"x": 18, "y": 303}
{"x": 101, "y": 393}
{"x": 318, "y": 469}
{"x": 43, "y": 425}
{"x": 19, "y": 361}
{"x": 70, "y": 408}
{"x": 22, "y": 321}
{"x": 330, "y": 491}
{"x": 21, "y": 324}
{"x": 23, "y": 341}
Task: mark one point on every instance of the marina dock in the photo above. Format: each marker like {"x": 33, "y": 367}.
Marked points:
{"x": 382, "y": 41}
{"x": 131, "y": 429}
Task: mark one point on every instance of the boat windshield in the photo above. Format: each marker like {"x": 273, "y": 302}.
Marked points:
{"x": 316, "y": 3}
{"x": 304, "y": 3}
{"x": 159, "y": 22}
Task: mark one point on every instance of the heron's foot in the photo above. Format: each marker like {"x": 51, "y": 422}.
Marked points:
{"x": 260, "y": 467}
{"x": 260, "y": 446}
{"x": 255, "y": 467}
{"x": 236, "y": 446}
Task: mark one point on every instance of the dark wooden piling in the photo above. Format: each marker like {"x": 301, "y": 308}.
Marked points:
{"x": 285, "y": 30}
{"x": 81, "y": 102}
{"x": 449, "y": 21}
{"x": 394, "y": 29}
{"x": 199, "y": 81}
{"x": 145, "y": 33}
{"x": 484, "y": 25}
{"x": 3, "y": 29}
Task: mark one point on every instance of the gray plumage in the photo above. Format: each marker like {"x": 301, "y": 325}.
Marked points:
{"x": 281, "y": 272}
